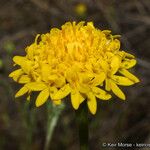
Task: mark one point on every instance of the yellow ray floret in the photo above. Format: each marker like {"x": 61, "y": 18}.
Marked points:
{"x": 42, "y": 97}
{"x": 79, "y": 61}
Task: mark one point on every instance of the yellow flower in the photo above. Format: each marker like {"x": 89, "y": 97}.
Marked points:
{"x": 80, "y": 9}
{"x": 77, "y": 60}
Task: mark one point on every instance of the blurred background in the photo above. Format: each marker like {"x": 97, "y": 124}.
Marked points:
{"x": 24, "y": 127}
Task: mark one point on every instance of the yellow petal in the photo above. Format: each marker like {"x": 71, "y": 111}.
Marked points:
{"x": 62, "y": 92}
{"x": 76, "y": 99}
{"x": 88, "y": 65}
{"x": 106, "y": 32}
{"x": 45, "y": 71}
{"x": 92, "y": 104}
{"x": 53, "y": 91}
{"x": 85, "y": 78}
{"x": 83, "y": 88}
{"x": 24, "y": 79}
{"x": 30, "y": 51}
{"x": 52, "y": 77}
{"x": 104, "y": 65}
{"x": 26, "y": 67}
{"x": 101, "y": 94}
{"x": 25, "y": 64}
{"x": 116, "y": 90}
{"x": 60, "y": 81}
{"x": 16, "y": 74}
{"x": 98, "y": 79}
{"x": 120, "y": 80}
{"x": 107, "y": 85}
{"x": 36, "y": 86}
{"x": 36, "y": 38}
{"x": 42, "y": 97}
{"x": 129, "y": 55}
{"x": 115, "y": 64}
{"x": 90, "y": 24}
{"x": 128, "y": 63}
{"x": 22, "y": 91}
{"x": 129, "y": 75}
{"x": 114, "y": 45}
{"x": 19, "y": 59}
{"x": 109, "y": 55}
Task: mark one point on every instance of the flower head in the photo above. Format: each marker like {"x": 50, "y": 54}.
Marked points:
{"x": 77, "y": 60}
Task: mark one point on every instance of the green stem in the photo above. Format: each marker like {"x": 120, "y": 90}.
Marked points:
{"x": 53, "y": 116}
{"x": 82, "y": 121}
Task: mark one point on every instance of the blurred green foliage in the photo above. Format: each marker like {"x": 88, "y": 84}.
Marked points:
{"x": 9, "y": 47}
